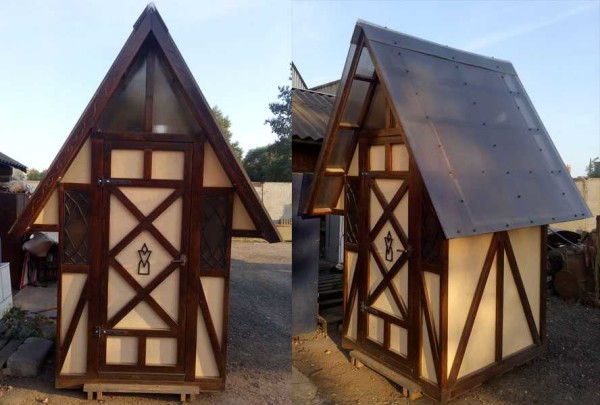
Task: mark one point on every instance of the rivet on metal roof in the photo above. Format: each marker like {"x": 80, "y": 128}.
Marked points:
{"x": 494, "y": 145}
{"x": 474, "y": 102}
{"x": 458, "y": 231}
{"x": 497, "y": 67}
{"x": 563, "y": 193}
{"x": 417, "y": 93}
{"x": 531, "y": 222}
{"x": 465, "y": 83}
{"x": 453, "y": 58}
{"x": 507, "y": 225}
{"x": 462, "y": 201}
{"x": 575, "y": 215}
{"x": 518, "y": 108}
{"x": 560, "y": 171}
{"x": 395, "y": 43}
{"x": 474, "y": 230}
{"x": 407, "y": 70}
{"x": 540, "y": 149}
{"x": 483, "y": 171}
{"x": 427, "y": 117}
{"x": 484, "y": 123}
{"x": 553, "y": 218}
{"x": 399, "y": 53}
{"x": 531, "y": 172}
{"x": 552, "y": 171}
{"x": 502, "y": 77}
{"x": 530, "y": 129}
{"x": 519, "y": 196}
{"x": 508, "y": 172}
{"x": 456, "y": 66}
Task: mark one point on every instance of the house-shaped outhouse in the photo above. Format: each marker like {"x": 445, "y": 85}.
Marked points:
{"x": 447, "y": 180}
{"x": 146, "y": 195}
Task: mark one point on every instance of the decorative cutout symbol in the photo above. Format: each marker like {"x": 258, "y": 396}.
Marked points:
{"x": 144, "y": 264}
{"x": 389, "y": 252}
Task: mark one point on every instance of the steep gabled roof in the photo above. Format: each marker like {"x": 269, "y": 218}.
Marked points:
{"x": 310, "y": 112}
{"x": 484, "y": 155}
{"x": 6, "y": 160}
{"x": 150, "y": 24}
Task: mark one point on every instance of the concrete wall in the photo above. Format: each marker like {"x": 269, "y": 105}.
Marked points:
{"x": 277, "y": 198}
{"x": 590, "y": 191}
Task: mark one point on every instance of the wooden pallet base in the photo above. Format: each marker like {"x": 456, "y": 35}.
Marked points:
{"x": 410, "y": 389}
{"x": 183, "y": 391}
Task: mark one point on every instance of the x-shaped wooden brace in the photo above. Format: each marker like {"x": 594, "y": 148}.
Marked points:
{"x": 145, "y": 223}
{"x": 388, "y": 276}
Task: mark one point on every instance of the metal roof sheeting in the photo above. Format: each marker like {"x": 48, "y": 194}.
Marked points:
{"x": 310, "y": 112}
{"x": 12, "y": 163}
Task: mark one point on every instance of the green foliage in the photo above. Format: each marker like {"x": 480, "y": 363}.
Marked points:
{"x": 225, "y": 125}
{"x": 273, "y": 162}
{"x": 593, "y": 169}
{"x": 34, "y": 174}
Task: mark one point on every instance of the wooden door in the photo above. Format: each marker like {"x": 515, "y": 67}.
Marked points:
{"x": 145, "y": 191}
{"x": 387, "y": 250}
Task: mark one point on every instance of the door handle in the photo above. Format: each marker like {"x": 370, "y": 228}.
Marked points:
{"x": 182, "y": 260}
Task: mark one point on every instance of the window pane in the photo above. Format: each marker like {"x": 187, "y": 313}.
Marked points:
{"x": 171, "y": 113}
{"x": 356, "y": 99}
{"x": 214, "y": 230}
{"x": 75, "y": 236}
{"x": 340, "y": 153}
{"x": 125, "y": 110}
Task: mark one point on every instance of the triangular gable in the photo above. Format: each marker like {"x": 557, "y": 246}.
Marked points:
{"x": 485, "y": 157}
{"x": 151, "y": 28}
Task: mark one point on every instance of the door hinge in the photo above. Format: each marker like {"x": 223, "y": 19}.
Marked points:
{"x": 97, "y": 332}
{"x": 362, "y": 306}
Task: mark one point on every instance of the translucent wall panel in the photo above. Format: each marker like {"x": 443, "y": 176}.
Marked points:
{"x": 125, "y": 110}
{"x": 340, "y": 153}
{"x": 170, "y": 112}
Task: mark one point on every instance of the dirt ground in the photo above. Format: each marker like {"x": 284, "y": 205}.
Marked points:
{"x": 259, "y": 360}
{"x": 569, "y": 372}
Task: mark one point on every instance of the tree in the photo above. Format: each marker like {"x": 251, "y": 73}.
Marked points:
{"x": 593, "y": 169}
{"x": 225, "y": 125}
{"x": 273, "y": 162}
{"x": 34, "y": 174}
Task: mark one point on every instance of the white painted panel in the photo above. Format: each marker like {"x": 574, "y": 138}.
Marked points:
{"x": 398, "y": 340}
{"x": 121, "y": 350}
{"x": 214, "y": 290}
{"x": 146, "y": 199}
{"x": 377, "y": 157}
{"x": 206, "y": 365}
{"x": 351, "y": 260}
{"x": 70, "y": 291}
{"x": 76, "y": 358}
{"x": 516, "y": 334}
{"x": 167, "y": 165}
{"x": 465, "y": 261}
{"x": 241, "y": 219}
{"x": 80, "y": 170}
{"x": 167, "y": 295}
{"x": 427, "y": 364}
{"x": 127, "y": 164}
{"x": 169, "y": 223}
{"x": 214, "y": 175}
{"x": 481, "y": 348}
{"x": 432, "y": 281}
{"x": 399, "y": 157}
{"x": 376, "y": 328}
{"x": 49, "y": 214}
{"x": 142, "y": 317}
{"x": 161, "y": 351}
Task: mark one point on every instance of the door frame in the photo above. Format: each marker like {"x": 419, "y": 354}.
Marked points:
{"x": 410, "y": 363}
{"x": 101, "y": 152}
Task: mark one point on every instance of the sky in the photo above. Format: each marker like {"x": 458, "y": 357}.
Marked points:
{"x": 553, "y": 45}
{"x": 55, "y": 54}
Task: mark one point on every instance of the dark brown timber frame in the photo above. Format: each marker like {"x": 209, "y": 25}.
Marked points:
{"x": 419, "y": 307}
{"x": 149, "y": 32}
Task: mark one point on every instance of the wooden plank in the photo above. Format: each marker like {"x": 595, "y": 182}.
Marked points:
{"x": 499, "y": 298}
{"x": 141, "y": 388}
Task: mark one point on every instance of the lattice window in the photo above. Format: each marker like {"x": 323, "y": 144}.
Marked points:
{"x": 77, "y": 210}
{"x": 351, "y": 205}
{"x": 216, "y": 212}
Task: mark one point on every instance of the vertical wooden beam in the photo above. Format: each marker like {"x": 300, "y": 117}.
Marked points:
{"x": 147, "y": 164}
{"x": 499, "y": 297}
{"x": 415, "y": 318}
{"x": 543, "y": 287}
{"x": 149, "y": 102}
{"x": 142, "y": 351}
{"x": 388, "y": 157}
{"x": 94, "y": 303}
{"x": 443, "y": 380}
{"x": 362, "y": 270}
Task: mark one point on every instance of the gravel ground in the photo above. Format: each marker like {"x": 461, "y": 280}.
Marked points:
{"x": 259, "y": 359}
{"x": 569, "y": 372}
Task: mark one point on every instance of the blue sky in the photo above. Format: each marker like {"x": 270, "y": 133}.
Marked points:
{"x": 554, "y": 46}
{"x": 55, "y": 54}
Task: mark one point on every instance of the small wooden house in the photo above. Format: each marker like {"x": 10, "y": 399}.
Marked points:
{"x": 447, "y": 180}
{"x": 146, "y": 195}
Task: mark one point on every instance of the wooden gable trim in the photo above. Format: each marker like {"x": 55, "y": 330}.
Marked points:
{"x": 202, "y": 112}
{"x": 86, "y": 122}
{"x": 148, "y": 23}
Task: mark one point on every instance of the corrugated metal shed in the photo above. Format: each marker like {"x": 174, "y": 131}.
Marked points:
{"x": 297, "y": 80}
{"x": 311, "y": 111}
{"x": 485, "y": 157}
{"x": 328, "y": 88}
{"x": 5, "y": 160}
